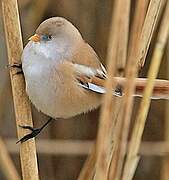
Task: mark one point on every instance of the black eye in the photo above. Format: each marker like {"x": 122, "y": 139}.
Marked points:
{"x": 49, "y": 37}
{"x": 46, "y": 37}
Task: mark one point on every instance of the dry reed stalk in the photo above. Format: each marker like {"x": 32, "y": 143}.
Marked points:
{"x": 117, "y": 49}
{"x": 115, "y": 27}
{"x": 131, "y": 73}
{"x": 138, "y": 20}
{"x": 158, "y": 148}
{"x": 116, "y": 31}
{"x": 88, "y": 170}
{"x": 132, "y": 155}
{"x": 121, "y": 59}
{"x": 81, "y": 148}
{"x": 152, "y": 17}
{"x": 165, "y": 162}
{"x": 6, "y": 163}
{"x": 21, "y": 102}
{"x": 106, "y": 122}
{"x": 140, "y": 11}
{"x": 122, "y": 11}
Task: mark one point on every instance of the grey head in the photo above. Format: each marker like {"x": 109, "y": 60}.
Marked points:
{"x": 58, "y": 28}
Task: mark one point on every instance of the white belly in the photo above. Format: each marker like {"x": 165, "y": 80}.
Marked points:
{"x": 41, "y": 91}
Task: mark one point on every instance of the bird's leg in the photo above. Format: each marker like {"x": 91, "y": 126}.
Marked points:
{"x": 34, "y": 133}
{"x": 16, "y": 66}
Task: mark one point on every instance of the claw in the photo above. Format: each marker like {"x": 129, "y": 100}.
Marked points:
{"x": 16, "y": 65}
{"x": 31, "y": 135}
{"x": 25, "y": 138}
{"x": 27, "y": 127}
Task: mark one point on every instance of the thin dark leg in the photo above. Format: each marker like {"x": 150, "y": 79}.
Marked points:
{"x": 34, "y": 133}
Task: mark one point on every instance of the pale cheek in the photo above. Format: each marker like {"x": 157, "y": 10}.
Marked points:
{"x": 42, "y": 49}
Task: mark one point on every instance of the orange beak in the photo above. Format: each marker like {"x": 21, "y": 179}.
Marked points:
{"x": 34, "y": 38}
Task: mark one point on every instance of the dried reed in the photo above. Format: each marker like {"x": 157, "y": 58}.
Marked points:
{"x": 82, "y": 148}
{"x": 153, "y": 14}
{"x": 132, "y": 155}
{"x": 107, "y": 152}
{"x": 21, "y": 102}
{"x": 131, "y": 73}
{"x": 131, "y": 70}
{"x": 117, "y": 49}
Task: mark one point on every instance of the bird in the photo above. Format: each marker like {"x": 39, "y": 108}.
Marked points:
{"x": 63, "y": 74}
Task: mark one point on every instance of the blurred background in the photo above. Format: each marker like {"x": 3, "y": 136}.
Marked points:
{"x": 92, "y": 18}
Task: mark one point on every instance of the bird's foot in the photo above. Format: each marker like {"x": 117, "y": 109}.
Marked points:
{"x": 34, "y": 133}
{"x": 16, "y": 66}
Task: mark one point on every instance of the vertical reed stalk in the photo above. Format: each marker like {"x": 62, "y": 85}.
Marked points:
{"x": 131, "y": 71}
{"x": 138, "y": 20}
{"x": 88, "y": 170}
{"x": 21, "y": 102}
{"x": 152, "y": 17}
{"x": 132, "y": 155}
{"x": 117, "y": 49}
{"x": 110, "y": 130}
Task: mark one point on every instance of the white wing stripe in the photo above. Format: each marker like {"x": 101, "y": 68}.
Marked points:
{"x": 98, "y": 89}
{"x": 88, "y": 71}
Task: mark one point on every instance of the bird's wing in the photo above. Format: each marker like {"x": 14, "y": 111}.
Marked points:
{"x": 88, "y": 67}
{"x": 93, "y": 79}
{"x": 91, "y": 75}
{"x": 160, "y": 91}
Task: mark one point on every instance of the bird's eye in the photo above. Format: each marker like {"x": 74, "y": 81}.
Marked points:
{"x": 46, "y": 37}
{"x": 49, "y": 37}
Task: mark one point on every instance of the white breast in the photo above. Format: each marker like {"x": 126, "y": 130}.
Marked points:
{"x": 38, "y": 68}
